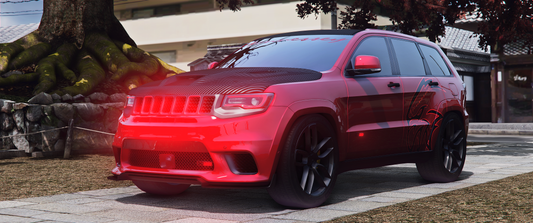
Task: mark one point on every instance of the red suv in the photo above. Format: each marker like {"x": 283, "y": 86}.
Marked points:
{"x": 289, "y": 112}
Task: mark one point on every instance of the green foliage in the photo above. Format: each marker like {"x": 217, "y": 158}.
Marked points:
{"x": 502, "y": 21}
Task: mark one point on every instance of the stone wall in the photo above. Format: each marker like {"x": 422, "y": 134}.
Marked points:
{"x": 97, "y": 111}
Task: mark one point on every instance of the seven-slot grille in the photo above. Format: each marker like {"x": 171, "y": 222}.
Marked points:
{"x": 171, "y": 105}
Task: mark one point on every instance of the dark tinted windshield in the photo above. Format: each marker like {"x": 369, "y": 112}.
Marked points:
{"x": 315, "y": 52}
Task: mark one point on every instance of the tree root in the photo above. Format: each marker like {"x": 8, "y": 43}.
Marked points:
{"x": 7, "y": 52}
{"x": 29, "y": 40}
{"x": 30, "y": 55}
{"x": 47, "y": 74}
{"x": 117, "y": 60}
{"x": 91, "y": 75}
{"x": 19, "y": 78}
{"x": 123, "y": 63}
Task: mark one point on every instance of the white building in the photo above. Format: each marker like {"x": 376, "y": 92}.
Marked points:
{"x": 179, "y": 31}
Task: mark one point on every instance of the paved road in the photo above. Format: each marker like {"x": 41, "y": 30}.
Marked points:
{"x": 355, "y": 192}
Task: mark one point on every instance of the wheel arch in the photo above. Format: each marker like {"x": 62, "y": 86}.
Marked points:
{"x": 447, "y": 107}
{"x": 326, "y": 109}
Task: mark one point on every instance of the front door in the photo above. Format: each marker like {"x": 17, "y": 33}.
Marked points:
{"x": 374, "y": 105}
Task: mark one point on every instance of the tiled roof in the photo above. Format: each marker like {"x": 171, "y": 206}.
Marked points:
{"x": 473, "y": 18}
{"x": 9, "y": 34}
{"x": 461, "y": 39}
{"x": 516, "y": 48}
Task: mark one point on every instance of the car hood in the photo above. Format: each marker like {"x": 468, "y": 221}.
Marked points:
{"x": 225, "y": 81}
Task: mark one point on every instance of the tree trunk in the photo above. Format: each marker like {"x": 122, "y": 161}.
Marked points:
{"x": 71, "y": 20}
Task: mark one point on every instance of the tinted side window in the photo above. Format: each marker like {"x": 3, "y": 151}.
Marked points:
{"x": 375, "y": 46}
{"x": 408, "y": 56}
{"x": 437, "y": 66}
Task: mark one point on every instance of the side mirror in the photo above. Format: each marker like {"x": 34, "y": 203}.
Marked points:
{"x": 365, "y": 64}
{"x": 212, "y": 65}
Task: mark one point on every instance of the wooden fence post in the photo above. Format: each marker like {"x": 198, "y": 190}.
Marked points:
{"x": 68, "y": 143}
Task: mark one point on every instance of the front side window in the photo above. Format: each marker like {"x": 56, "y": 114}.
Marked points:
{"x": 436, "y": 64}
{"x": 409, "y": 58}
{"x": 315, "y": 52}
{"x": 375, "y": 46}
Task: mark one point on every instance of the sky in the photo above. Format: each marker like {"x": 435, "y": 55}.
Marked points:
{"x": 11, "y": 19}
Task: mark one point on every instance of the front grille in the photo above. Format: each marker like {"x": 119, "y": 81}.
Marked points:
{"x": 167, "y": 154}
{"x": 241, "y": 163}
{"x": 173, "y": 105}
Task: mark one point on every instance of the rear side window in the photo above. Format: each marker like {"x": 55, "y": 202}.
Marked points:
{"x": 409, "y": 58}
{"x": 375, "y": 46}
{"x": 436, "y": 64}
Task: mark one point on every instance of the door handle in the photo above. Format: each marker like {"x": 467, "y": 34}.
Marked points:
{"x": 392, "y": 84}
{"x": 431, "y": 83}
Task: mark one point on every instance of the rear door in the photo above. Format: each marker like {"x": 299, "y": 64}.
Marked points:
{"x": 422, "y": 94}
{"x": 374, "y": 104}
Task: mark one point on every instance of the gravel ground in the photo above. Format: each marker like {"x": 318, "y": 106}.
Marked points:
{"x": 24, "y": 177}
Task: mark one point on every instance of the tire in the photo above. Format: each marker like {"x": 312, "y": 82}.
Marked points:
{"x": 160, "y": 188}
{"x": 307, "y": 168}
{"x": 449, "y": 154}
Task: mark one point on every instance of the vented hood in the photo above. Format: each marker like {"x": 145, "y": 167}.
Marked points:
{"x": 225, "y": 81}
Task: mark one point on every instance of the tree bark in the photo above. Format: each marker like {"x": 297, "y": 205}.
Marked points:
{"x": 71, "y": 20}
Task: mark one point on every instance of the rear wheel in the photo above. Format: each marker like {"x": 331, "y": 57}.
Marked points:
{"x": 307, "y": 167}
{"x": 160, "y": 188}
{"x": 448, "y": 158}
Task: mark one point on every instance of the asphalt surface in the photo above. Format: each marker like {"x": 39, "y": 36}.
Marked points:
{"x": 355, "y": 192}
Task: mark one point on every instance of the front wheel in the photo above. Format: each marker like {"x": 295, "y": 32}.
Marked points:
{"x": 449, "y": 154}
{"x": 307, "y": 167}
{"x": 160, "y": 188}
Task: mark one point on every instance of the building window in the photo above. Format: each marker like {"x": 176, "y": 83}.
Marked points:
{"x": 143, "y": 13}
{"x": 154, "y": 11}
{"x": 166, "y": 56}
{"x": 469, "y": 83}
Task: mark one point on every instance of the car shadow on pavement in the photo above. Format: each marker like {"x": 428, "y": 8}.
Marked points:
{"x": 350, "y": 185}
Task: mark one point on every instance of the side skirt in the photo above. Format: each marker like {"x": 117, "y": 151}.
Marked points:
{"x": 371, "y": 162}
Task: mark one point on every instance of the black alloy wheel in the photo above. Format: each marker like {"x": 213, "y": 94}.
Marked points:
{"x": 306, "y": 171}
{"x": 449, "y": 154}
{"x": 453, "y": 146}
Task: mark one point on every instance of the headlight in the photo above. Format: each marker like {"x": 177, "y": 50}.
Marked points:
{"x": 129, "y": 101}
{"x": 128, "y": 107}
{"x": 231, "y": 106}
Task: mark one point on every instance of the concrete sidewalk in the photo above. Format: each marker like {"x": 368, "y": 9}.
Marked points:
{"x": 355, "y": 192}
{"x": 488, "y": 128}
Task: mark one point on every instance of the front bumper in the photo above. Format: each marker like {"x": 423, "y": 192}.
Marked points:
{"x": 236, "y": 152}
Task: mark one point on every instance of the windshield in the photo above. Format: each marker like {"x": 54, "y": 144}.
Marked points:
{"x": 315, "y": 52}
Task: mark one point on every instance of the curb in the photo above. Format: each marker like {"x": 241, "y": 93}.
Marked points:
{"x": 500, "y": 132}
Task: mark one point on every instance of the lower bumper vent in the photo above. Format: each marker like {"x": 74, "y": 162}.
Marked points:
{"x": 241, "y": 163}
